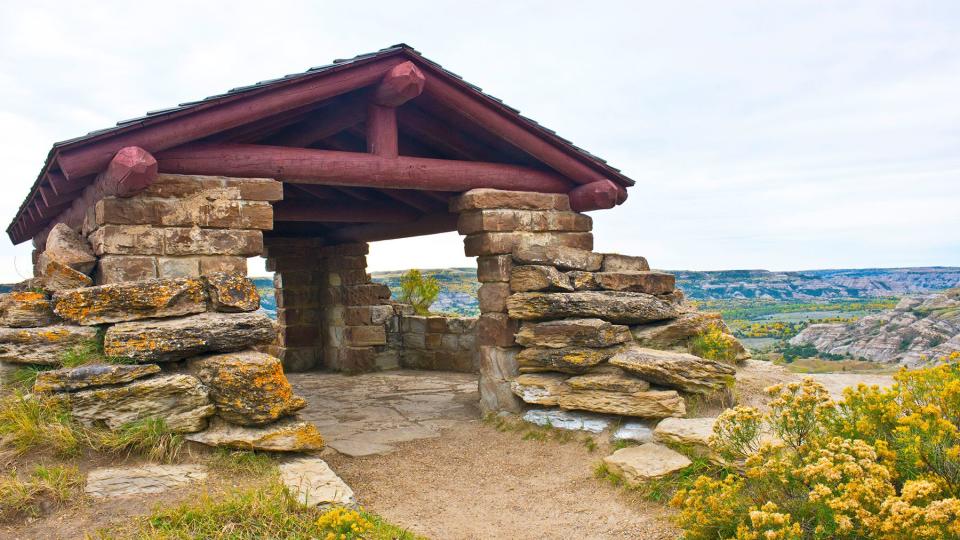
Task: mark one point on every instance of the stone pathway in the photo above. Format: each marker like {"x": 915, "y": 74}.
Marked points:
{"x": 360, "y": 415}
{"x": 145, "y": 479}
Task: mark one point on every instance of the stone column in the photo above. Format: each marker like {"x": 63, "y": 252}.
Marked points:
{"x": 495, "y": 223}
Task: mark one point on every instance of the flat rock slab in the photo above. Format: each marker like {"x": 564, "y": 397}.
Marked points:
{"x": 90, "y": 376}
{"x": 538, "y": 278}
{"x": 562, "y": 257}
{"x": 690, "y": 432}
{"x": 613, "y": 306}
{"x": 645, "y": 282}
{"x": 569, "y": 420}
{"x": 313, "y": 483}
{"x": 44, "y": 346}
{"x": 540, "y": 388}
{"x": 572, "y": 333}
{"x": 232, "y": 292}
{"x": 682, "y": 371}
{"x": 567, "y": 360}
{"x": 649, "y": 404}
{"x": 649, "y": 461}
{"x": 141, "y": 480}
{"x": 130, "y": 301}
{"x": 286, "y": 435}
{"x": 26, "y": 309}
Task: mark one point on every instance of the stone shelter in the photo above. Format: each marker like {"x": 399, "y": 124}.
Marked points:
{"x": 144, "y": 229}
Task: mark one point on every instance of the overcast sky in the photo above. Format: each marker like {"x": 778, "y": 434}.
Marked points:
{"x": 779, "y": 135}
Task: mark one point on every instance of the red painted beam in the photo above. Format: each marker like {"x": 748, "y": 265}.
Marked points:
{"x": 382, "y": 131}
{"x": 130, "y": 171}
{"x": 338, "y": 212}
{"x": 220, "y": 115}
{"x": 61, "y": 186}
{"x": 596, "y": 196}
{"x": 306, "y": 166}
{"x": 445, "y": 138}
{"x": 322, "y": 125}
{"x": 401, "y": 84}
{"x": 412, "y": 198}
{"x": 372, "y": 232}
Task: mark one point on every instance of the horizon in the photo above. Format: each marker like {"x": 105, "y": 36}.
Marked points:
{"x": 750, "y": 147}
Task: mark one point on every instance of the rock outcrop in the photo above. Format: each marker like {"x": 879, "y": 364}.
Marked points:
{"x": 682, "y": 371}
{"x": 44, "y": 346}
{"x": 572, "y": 333}
{"x": 91, "y": 376}
{"x": 26, "y": 309}
{"x": 615, "y": 307}
{"x": 129, "y": 301}
{"x": 565, "y": 360}
{"x": 286, "y": 435}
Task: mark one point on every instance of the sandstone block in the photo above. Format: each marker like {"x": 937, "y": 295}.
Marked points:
{"x": 312, "y": 483}
{"x": 493, "y": 297}
{"x": 90, "y": 376}
{"x": 26, "y": 309}
{"x": 693, "y": 433}
{"x": 614, "y": 262}
{"x": 644, "y": 282}
{"x": 501, "y": 220}
{"x": 222, "y": 264}
{"x": 499, "y": 243}
{"x": 178, "y": 186}
{"x": 357, "y": 359}
{"x": 286, "y": 435}
{"x": 638, "y": 464}
{"x": 248, "y": 388}
{"x": 608, "y": 381}
{"x": 360, "y": 336}
{"x": 381, "y": 314}
{"x": 120, "y": 268}
{"x": 498, "y": 363}
{"x": 494, "y": 268}
{"x": 64, "y": 245}
{"x": 57, "y": 276}
{"x": 583, "y": 281}
{"x": 540, "y": 388}
{"x": 131, "y": 301}
{"x": 184, "y": 212}
{"x": 437, "y": 324}
{"x": 366, "y": 295}
{"x": 177, "y": 267}
{"x": 538, "y": 278}
{"x": 496, "y": 329}
{"x": 180, "y": 400}
{"x": 44, "y": 346}
{"x": 617, "y": 307}
{"x": 562, "y": 257}
{"x": 678, "y": 370}
{"x": 232, "y": 293}
{"x": 148, "y": 240}
{"x": 650, "y": 404}
{"x": 566, "y": 360}
{"x": 572, "y": 333}
{"x": 496, "y": 396}
{"x": 356, "y": 315}
{"x": 482, "y": 198}
{"x": 166, "y": 340}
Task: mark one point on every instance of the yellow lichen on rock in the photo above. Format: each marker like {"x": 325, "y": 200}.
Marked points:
{"x": 130, "y": 301}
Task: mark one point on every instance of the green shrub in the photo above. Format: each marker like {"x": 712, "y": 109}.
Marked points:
{"x": 419, "y": 291}
{"x": 878, "y": 464}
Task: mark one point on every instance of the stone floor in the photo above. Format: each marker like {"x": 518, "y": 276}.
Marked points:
{"x": 366, "y": 414}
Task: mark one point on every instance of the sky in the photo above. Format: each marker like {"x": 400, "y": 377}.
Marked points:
{"x": 779, "y": 135}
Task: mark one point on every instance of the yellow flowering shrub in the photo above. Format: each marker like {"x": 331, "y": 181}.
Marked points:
{"x": 714, "y": 343}
{"x": 878, "y": 464}
{"x": 343, "y": 524}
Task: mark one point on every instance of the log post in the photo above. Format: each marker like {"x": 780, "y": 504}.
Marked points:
{"x": 594, "y": 196}
{"x": 398, "y": 86}
{"x": 382, "y": 131}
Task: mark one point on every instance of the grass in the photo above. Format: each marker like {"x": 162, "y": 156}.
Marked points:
{"x": 820, "y": 365}
{"x": 24, "y": 377}
{"x": 264, "y": 512}
{"x": 42, "y": 488}
{"x": 30, "y": 423}
{"x": 91, "y": 352}
{"x": 242, "y": 462}
{"x": 148, "y": 437}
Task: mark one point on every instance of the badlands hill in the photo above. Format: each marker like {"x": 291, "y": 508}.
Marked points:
{"x": 919, "y": 329}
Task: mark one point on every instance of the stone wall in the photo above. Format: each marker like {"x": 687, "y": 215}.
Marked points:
{"x": 438, "y": 343}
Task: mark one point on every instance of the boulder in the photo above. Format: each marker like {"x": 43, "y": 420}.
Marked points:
{"x": 64, "y": 245}
{"x": 182, "y": 401}
{"x": 248, "y": 387}
{"x": 44, "y": 346}
{"x": 26, "y": 309}
{"x": 572, "y": 333}
{"x": 692, "y": 433}
{"x": 614, "y": 262}
{"x": 612, "y": 380}
{"x": 644, "y": 282}
{"x": 312, "y": 483}
{"x": 583, "y": 281}
{"x": 678, "y": 370}
{"x": 166, "y": 340}
{"x": 90, "y": 376}
{"x": 617, "y": 307}
{"x": 232, "y": 292}
{"x": 286, "y": 435}
{"x": 565, "y": 258}
{"x": 649, "y": 404}
{"x": 538, "y": 278}
{"x": 677, "y": 334}
{"x": 638, "y": 464}
{"x": 118, "y": 302}
{"x": 57, "y": 276}
{"x": 540, "y": 388}
{"x": 566, "y": 360}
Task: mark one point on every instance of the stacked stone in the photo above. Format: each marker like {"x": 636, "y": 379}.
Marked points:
{"x": 439, "y": 343}
{"x": 558, "y": 321}
{"x": 180, "y": 226}
{"x": 328, "y": 287}
{"x": 190, "y": 343}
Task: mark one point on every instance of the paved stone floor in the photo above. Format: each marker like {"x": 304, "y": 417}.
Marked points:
{"x": 366, "y": 414}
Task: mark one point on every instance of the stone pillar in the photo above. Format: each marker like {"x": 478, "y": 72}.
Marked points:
{"x": 495, "y": 223}
{"x": 181, "y": 226}
{"x": 299, "y": 282}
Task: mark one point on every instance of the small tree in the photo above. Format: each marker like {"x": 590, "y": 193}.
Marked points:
{"x": 419, "y": 291}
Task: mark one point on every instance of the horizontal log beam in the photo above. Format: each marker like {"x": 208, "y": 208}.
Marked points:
{"x": 307, "y": 166}
{"x": 222, "y": 114}
{"x": 429, "y": 224}
{"x": 401, "y": 84}
{"x": 326, "y": 123}
{"x": 338, "y": 212}
{"x": 61, "y": 186}
{"x": 596, "y": 196}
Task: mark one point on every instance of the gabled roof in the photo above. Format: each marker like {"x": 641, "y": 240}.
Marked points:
{"x": 130, "y": 129}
